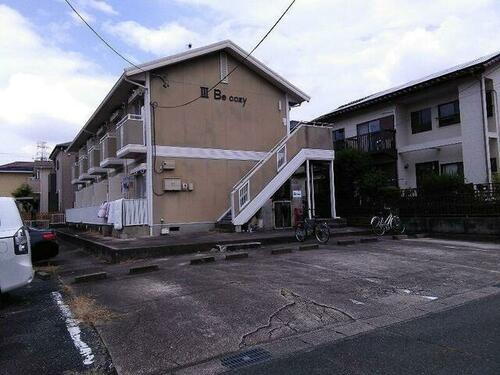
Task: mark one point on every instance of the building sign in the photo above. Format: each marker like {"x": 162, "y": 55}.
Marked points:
{"x": 219, "y": 95}
{"x": 297, "y": 194}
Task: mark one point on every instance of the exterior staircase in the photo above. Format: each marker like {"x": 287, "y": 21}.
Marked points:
{"x": 306, "y": 142}
{"x": 225, "y": 223}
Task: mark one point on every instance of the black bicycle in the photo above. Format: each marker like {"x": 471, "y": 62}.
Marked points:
{"x": 306, "y": 228}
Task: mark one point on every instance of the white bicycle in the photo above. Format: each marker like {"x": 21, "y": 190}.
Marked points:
{"x": 380, "y": 225}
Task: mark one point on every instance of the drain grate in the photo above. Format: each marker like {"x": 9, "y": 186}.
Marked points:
{"x": 246, "y": 358}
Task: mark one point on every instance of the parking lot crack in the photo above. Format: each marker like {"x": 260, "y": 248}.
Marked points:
{"x": 300, "y": 314}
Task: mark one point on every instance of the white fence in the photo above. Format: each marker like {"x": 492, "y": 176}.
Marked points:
{"x": 133, "y": 212}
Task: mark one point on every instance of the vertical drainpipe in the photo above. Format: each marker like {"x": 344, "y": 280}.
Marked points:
{"x": 308, "y": 181}
{"x": 287, "y": 114}
{"x": 149, "y": 152}
{"x": 332, "y": 188}
{"x": 485, "y": 129}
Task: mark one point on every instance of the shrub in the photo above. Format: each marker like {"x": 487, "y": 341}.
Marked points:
{"x": 442, "y": 184}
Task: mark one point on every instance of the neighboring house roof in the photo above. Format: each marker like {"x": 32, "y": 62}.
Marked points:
{"x": 122, "y": 87}
{"x": 58, "y": 148}
{"x": 17, "y": 167}
{"x": 471, "y": 67}
{"x": 43, "y": 164}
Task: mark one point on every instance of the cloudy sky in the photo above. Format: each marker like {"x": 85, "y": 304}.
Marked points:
{"x": 54, "y": 72}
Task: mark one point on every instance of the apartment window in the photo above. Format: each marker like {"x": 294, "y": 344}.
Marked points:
{"x": 494, "y": 166}
{"x": 453, "y": 169}
{"x": 489, "y": 103}
{"x": 244, "y": 194}
{"x": 369, "y": 127}
{"x": 449, "y": 113}
{"x": 204, "y": 92}
{"x": 421, "y": 121}
{"x": 57, "y": 164}
{"x": 338, "y": 139}
{"x": 281, "y": 158}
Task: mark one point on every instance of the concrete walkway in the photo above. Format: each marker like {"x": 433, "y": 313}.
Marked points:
{"x": 116, "y": 250}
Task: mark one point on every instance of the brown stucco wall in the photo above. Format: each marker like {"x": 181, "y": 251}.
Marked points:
{"x": 213, "y": 181}
{"x": 65, "y": 190}
{"x": 211, "y": 123}
{"x": 11, "y": 181}
{"x": 214, "y": 123}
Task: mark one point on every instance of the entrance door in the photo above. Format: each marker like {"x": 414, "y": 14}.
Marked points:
{"x": 425, "y": 169}
{"x": 282, "y": 214}
{"x": 322, "y": 196}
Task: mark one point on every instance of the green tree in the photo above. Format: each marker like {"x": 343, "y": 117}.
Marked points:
{"x": 25, "y": 191}
{"x": 350, "y": 166}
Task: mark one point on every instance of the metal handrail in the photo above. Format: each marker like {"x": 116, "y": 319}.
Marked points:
{"x": 128, "y": 116}
{"x": 267, "y": 157}
{"x": 277, "y": 147}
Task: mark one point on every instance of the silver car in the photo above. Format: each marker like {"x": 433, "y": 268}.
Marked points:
{"x": 16, "y": 269}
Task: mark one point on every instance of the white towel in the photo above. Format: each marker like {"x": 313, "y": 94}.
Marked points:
{"x": 115, "y": 216}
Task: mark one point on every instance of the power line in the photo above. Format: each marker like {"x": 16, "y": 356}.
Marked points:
{"x": 101, "y": 38}
{"x": 235, "y": 67}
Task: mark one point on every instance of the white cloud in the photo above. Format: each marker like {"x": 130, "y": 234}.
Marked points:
{"x": 86, "y": 16}
{"x": 99, "y": 5}
{"x": 162, "y": 40}
{"x": 334, "y": 50}
{"x": 46, "y": 93}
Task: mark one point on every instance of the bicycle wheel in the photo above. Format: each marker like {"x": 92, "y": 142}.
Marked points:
{"x": 378, "y": 226}
{"x": 322, "y": 232}
{"x": 300, "y": 232}
{"x": 397, "y": 225}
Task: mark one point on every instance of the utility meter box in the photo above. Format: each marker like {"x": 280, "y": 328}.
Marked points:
{"x": 172, "y": 184}
{"x": 168, "y": 165}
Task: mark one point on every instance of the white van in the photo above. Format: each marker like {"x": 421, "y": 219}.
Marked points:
{"x": 16, "y": 269}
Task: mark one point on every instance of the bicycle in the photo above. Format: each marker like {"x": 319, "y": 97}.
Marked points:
{"x": 305, "y": 228}
{"x": 380, "y": 225}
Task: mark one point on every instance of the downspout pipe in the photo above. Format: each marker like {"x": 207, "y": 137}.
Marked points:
{"x": 485, "y": 128}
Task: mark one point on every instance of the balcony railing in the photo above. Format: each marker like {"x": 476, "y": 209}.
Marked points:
{"x": 108, "y": 151}
{"x": 94, "y": 157}
{"x": 75, "y": 173}
{"x": 95, "y": 161}
{"x": 383, "y": 141}
{"x": 83, "y": 165}
{"x": 131, "y": 139}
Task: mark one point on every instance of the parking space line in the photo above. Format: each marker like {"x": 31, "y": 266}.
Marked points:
{"x": 74, "y": 330}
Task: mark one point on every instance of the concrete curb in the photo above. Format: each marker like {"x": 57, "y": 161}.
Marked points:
{"x": 284, "y": 250}
{"x": 143, "y": 269}
{"x": 308, "y": 247}
{"x": 400, "y": 237}
{"x": 236, "y": 256}
{"x": 369, "y": 239}
{"x": 202, "y": 260}
{"x": 346, "y": 242}
{"x": 117, "y": 254}
{"x": 90, "y": 277}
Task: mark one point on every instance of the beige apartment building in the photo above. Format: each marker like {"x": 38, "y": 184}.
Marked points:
{"x": 147, "y": 163}
{"x": 63, "y": 189}
{"x": 447, "y": 122}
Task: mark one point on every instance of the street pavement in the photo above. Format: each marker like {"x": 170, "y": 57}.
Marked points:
{"x": 463, "y": 340}
{"x": 35, "y": 337}
{"x": 189, "y": 319}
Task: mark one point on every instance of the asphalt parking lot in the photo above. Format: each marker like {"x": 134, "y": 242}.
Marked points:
{"x": 38, "y": 337}
{"x": 194, "y": 318}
